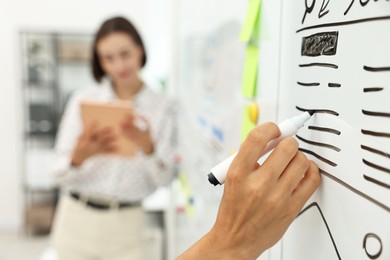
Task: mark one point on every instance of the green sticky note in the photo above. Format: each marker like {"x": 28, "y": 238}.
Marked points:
{"x": 252, "y": 16}
{"x": 249, "y": 81}
{"x": 247, "y": 123}
{"x": 254, "y": 39}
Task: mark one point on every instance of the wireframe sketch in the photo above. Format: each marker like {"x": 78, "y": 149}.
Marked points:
{"x": 335, "y": 60}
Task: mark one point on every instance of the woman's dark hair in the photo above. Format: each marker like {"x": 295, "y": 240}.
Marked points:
{"x": 116, "y": 24}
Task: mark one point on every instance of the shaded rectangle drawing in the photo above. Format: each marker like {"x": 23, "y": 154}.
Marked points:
{"x": 319, "y": 44}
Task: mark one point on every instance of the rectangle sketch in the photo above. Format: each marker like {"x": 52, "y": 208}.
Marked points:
{"x": 319, "y": 44}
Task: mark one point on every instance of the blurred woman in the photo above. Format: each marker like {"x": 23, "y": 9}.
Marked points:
{"x": 100, "y": 215}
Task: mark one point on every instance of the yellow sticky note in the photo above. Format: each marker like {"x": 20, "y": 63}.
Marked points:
{"x": 252, "y": 17}
{"x": 249, "y": 81}
{"x": 247, "y": 124}
{"x": 189, "y": 194}
{"x": 253, "y": 111}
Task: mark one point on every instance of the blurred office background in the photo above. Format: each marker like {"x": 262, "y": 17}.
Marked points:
{"x": 45, "y": 55}
{"x": 194, "y": 56}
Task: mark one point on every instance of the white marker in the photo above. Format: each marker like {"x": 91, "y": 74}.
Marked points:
{"x": 287, "y": 128}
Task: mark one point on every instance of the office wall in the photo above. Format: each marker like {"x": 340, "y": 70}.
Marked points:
{"x": 152, "y": 17}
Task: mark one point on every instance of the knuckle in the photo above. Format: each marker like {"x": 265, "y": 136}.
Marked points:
{"x": 254, "y": 192}
{"x": 303, "y": 161}
{"x": 313, "y": 174}
{"x": 288, "y": 146}
{"x": 256, "y": 136}
{"x": 271, "y": 127}
{"x": 273, "y": 202}
{"x": 262, "y": 134}
{"x": 233, "y": 176}
{"x": 316, "y": 179}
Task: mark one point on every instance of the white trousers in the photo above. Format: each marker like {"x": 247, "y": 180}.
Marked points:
{"x": 85, "y": 233}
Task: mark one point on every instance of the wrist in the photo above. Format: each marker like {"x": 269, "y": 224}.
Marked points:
{"x": 233, "y": 246}
{"x": 224, "y": 247}
{"x": 212, "y": 246}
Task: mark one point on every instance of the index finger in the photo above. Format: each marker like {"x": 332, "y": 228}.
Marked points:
{"x": 253, "y": 146}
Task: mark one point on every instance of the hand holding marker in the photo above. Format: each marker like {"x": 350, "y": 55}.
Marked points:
{"x": 287, "y": 128}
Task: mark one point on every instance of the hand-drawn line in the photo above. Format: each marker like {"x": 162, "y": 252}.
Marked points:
{"x": 372, "y": 113}
{"x": 380, "y": 18}
{"x": 315, "y": 204}
{"x": 319, "y": 144}
{"x": 362, "y": 3}
{"x": 358, "y": 192}
{"x": 319, "y": 157}
{"x": 375, "y": 166}
{"x": 382, "y": 184}
{"x": 372, "y": 235}
{"x": 319, "y": 64}
{"x": 365, "y": 90}
{"x": 364, "y": 147}
{"x": 325, "y": 111}
{"x": 377, "y": 69}
{"x": 313, "y": 84}
{"x": 322, "y": 9}
{"x": 325, "y": 129}
{"x": 334, "y": 85}
{"x": 349, "y": 7}
{"x": 308, "y": 10}
{"x": 377, "y": 134}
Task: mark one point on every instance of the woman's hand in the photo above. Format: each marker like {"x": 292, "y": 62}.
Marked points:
{"x": 259, "y": 201}
{"x": 141, "y": 137}
{"x": 93, "y": 140}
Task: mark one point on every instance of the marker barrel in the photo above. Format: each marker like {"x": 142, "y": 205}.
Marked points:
{"x": 287, "y": 128}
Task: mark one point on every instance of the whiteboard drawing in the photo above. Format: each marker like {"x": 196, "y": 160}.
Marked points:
{"x": 313, "y": 212}
{"x": 335, "y": 59}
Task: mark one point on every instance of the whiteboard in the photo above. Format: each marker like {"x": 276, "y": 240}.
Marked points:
{"x": 335, "y": 58}
{"x": 210, "y": 65}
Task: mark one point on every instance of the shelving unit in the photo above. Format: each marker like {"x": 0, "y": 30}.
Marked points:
{"x": 53, "y": 65}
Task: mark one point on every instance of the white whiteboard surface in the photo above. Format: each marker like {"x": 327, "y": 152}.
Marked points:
{"x": 335, "y": 57}
{"x": 211, "y": 59}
